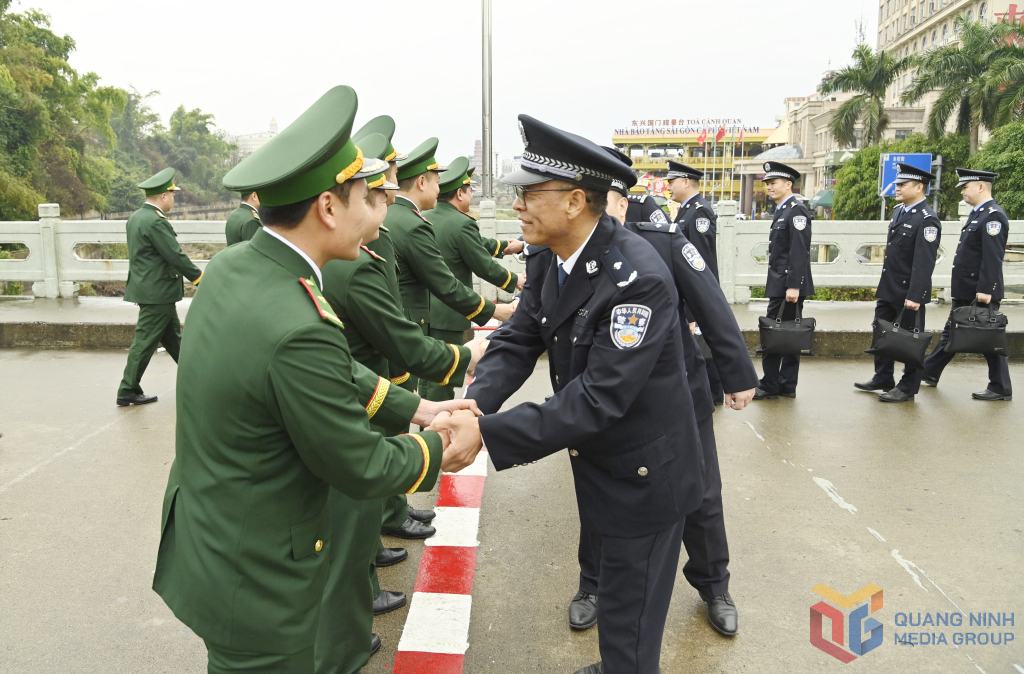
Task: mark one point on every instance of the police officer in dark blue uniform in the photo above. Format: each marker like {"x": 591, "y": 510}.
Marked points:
{"x": 977, "y": 276}
{"x": 603, "y": 305}
{"x": 906, "y": 284}
{"x": 789, "y": 274}
{"x": 643, "y": 208}
{"x": 704, "y": 537}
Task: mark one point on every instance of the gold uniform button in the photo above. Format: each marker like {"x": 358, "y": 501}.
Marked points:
{"x": 641, "y": 471}
{"x": 573, "y": 452}
{"x": 319, "y": 546}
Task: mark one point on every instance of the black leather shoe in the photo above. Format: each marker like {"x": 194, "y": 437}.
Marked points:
{"x": 990, "y": 395}
{"x": 896, "y": 396}
{"x": 874, "y": 385}
{"x": 787, "y": 394}
{"x": 722, "y": 614}
{"x": 929, "y": 381}
{"x": 761, "y": 394}
{"x": 583, "y": 611}
{"x": 596, "y": 668}
{"x": 412, "y": 530}
{"x": 388, "y": 601}
{"x": 420, "y": 515}
{"x": 135, "y": 399}
{"x": 374, "y": 644}
{"x": 390, "y": 557}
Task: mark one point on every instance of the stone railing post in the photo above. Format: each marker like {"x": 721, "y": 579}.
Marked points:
{"x": 49, "y": 216}
{"x": 727, "y": 252}
{"x": 488, "y": 228}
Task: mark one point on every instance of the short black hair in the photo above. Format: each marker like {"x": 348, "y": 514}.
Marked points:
{"x": 597, "y": 200}
{"x": 290, "y": 215}
{"x": 448, "y": 196}
{"x": 246, "y": 195}
{"x": 407, "y": 183}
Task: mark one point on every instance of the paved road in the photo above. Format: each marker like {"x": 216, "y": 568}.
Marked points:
{"x": 813, "y": 485}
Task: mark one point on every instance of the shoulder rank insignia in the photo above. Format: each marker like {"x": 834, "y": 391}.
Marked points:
{"x": 618, "y": 267}
{"x": 657, "y": 226}
{"x": 703, "y": 224}
{"x": 993, "y": 228}
{"x": 638, "y": 198}
{"x": 629, "y": 324}
{"x": 800, "y": 222}
{"x": 375, "y": 256}
{"x": 255, "y": 213}
{"x": 931, "y": 233}
{"x": 658, "y": 217}
{"x": 693, "y": 257}
{"x": 322, "y": 306}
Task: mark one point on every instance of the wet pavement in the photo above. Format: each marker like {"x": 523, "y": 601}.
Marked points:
{"x": 922, "y": 500}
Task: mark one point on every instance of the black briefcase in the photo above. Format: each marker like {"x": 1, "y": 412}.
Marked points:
{"x": 786, "y": 338}
{"x": 898, "y": 343}
{"x": 977, "y": 329}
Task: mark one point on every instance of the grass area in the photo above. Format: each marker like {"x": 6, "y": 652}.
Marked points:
{"x": 837, "y": 294}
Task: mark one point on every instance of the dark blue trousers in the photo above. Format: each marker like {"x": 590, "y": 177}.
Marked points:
{"x": 885, "y": 367}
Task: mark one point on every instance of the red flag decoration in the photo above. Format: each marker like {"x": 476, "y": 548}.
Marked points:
{"x": 739, "y": 141}
{"x": 703, "y": 137}
{"x": 720, "y": 135}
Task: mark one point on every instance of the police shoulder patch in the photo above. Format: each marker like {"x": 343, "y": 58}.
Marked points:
{"x": 931, "y": 233}
{"x": 703, "y": 224}
{"x": 993, "y": 228}
{"x": 693, "y": 257}
{"x": 658, "y": 216}
{"x": 622, "y": 272}
{"x": 322, "y": 306}
{"x": 800, "y": 222}
{"x": 629, "y": 325}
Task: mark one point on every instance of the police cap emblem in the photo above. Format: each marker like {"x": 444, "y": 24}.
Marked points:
{"x": 800, "y": 222}
{"x": 993, "y": 228}
{"x": 658, "y": 216}
{"x": 629, "y": 324}
{"x": 931, "y": 233}
{"x": 693, "y": 257}
{"x": 703, "y": 224}
{"x": 767, "y": 167}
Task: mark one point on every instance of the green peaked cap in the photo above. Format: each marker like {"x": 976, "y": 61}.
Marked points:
{"x": 385, "y": 126}
{"x": 420, "y": 160}
{"x": 312, "y": 155}
{"x": 160, "y": 183}
{"x": 458, "y": 175}
{"x": 377, "y": 146}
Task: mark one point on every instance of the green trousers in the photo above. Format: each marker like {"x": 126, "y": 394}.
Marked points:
{"x": 222, "y": 661}
{"x": 158, "y": 324}
{"x": 346, "y": 610}
{"x": 395, "y": 510}
{"x": 436, "y": 392}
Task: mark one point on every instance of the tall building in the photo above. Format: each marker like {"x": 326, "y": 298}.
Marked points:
{"x": 478, "y": 156}
{"x": 249, "y": 143}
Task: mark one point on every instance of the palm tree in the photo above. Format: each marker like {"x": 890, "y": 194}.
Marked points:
{"x": 1007, "y": 81}
{"x": 964, "y": 74}
{"x": 870, "y": 76}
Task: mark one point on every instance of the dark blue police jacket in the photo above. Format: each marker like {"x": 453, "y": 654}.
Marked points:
{"x": 621, "y": 403}
{"x": 699, "y": 224}
{"x": 789, "y": 251}
{"x": 978, "y": 265}
{"x": 910, "y": 251}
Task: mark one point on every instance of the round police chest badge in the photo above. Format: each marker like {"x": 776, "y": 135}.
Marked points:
{"x": 629, "y": 324}
{"x": 931, "y": 233}
{"x": 800, "y": 222}
{"x": 703, "y": 225}
{"x": 693, "y": 257}
{"x": 658, "y": 217}
{"x": 993, "y": 228}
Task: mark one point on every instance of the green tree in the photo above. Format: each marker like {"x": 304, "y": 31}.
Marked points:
{"x": 856, "y": 189}
{"x": 965, "y": 73}
{"x": 869, "y": 76}
{"x": 1004, "y": 154}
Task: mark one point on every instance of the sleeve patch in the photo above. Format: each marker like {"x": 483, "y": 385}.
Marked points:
{"x": 703, "y": 224}
{"x": 993, "y": 228}
{"x": 629, "y": 325}
{"x": 658, "y": 217}
{"x": 800, "y": 222}
{"x": 931, "y": 233}
{"x": 322, "y": 306}
{"x": 693, "y": 257}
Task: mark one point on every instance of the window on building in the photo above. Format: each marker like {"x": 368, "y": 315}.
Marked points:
{"x": 982, "y": 11}
{"x": 905, "y": 19}
{"x": 945, "y": 33}
{"x": 902, "y": 134}
{"x": 915, "y": 46}
{"x": 935, "y": 39}
{"x": 881, "y": 12}
{"x": 970, "y": 15}
{"x": 888, "y": 8}
{"x": 931, "y": 7}
{"x": 913, "y": 17}
{"x": 886, "y": 35}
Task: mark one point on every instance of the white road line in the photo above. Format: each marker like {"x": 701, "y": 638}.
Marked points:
{"x": 456, "y": 527}
{"x": 437, "y": 623}
{"x": 876, "y": 534}
{"x": 906, "y": 567}
{"x": 759, "y": 437}
{"x": 976, "y": 664}
{"x": 1018, "y": 668}
{"x": 830, "y": 489}
{"x": 59, "y": 454}
{"x": 906, "y": 564}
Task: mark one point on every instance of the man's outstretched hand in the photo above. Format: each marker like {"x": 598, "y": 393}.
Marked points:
{"x": 429, "y": 409}
{"x": 463, "y": 429}
{"x": 477, "y": 348}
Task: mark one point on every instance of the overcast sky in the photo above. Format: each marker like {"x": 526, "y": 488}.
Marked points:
{"x": 590, "y": 66}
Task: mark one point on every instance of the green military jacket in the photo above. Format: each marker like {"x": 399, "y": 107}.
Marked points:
{"x": 271, "y": 412}
{"x": 377, "y": 330}
{"x": 242, "y": 224}
{"x": 422, "y": 272}
{"x": 458, "y": 239}
{"x": 156, "y": 263}
{"x": 384, "y": 246}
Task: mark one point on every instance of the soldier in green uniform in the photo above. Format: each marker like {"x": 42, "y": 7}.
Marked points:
{"x": 272, "y": 411}
{"x": 465, "y": 253}
{"x": 156, "y": 266}
{"x": 244, "y": 221}
{"x": 378, "y": 335}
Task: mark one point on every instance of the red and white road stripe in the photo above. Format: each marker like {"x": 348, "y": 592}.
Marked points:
{"x": 436, "y": 631}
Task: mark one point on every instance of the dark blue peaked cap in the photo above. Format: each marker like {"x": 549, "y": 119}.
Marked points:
{"x": 621, "y": 186}
{"x": 553, "y": 154}
{"x": 970, "y": 175}
{"x": 905, "y": 173}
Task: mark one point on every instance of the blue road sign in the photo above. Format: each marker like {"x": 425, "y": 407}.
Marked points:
{"x": 887, "y": 170}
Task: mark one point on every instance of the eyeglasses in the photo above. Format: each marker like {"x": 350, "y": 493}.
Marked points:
{"x": 521, "y": 192}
